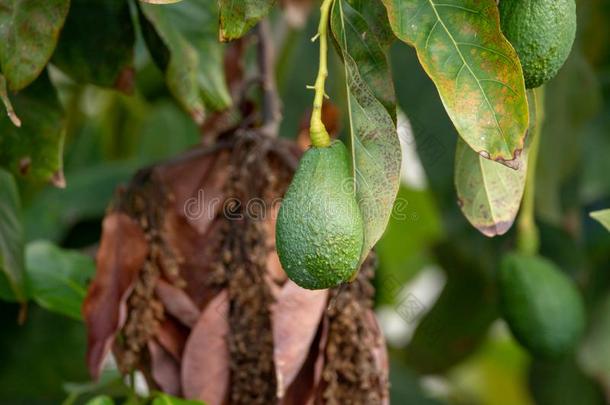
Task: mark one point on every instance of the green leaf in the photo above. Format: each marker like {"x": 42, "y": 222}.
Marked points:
{"x": 165, "y": 399}
{"x": 238, "y": 16}
{"x": 182, "y": 40}
{"x": 376, "y": 152}
{"x": 475, "y": 69}
{"x": 12, "y": 280}
{"x": 160, "y": 1}
{"x": 489, "y": 194}
{"x": 34, "y": 151}
{"x": 28, "y": 35}
{"x": 58, "y": 278}
{"x": 101, "y": 400}
{"x": 603, "y": 217}
{"x": 96, "y": 44}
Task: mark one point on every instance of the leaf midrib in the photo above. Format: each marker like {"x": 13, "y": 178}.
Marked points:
{"x": 457, "y": 48}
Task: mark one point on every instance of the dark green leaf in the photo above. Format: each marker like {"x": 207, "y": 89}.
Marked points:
{"x": 238, "y": 16}
{"x": 28, "y": 35}
{"x": 374, "y": 142}
{"x": 603, "y": 217}
{"x": 182, "y": 39}
{"x": 35, "y": 150}
{"x": 475, "y": 69}
{"x": 96, "y": 43}
{"x": 12, "y": 280}
{"x": 58, "y": 278}
{"x": 10, "y": 112}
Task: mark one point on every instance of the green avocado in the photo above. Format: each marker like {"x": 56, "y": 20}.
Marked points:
{"x": 542, "y": 33}
{"x": 319, "y": 230}
{"x": 541, "y": 305}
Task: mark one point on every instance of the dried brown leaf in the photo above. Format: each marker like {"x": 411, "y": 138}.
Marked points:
{"x": 295, "y": 320}
{"x": 172, "y": 336}
{"x": 177, "y": 303}
{"x": 205, "y": 365}
{"x": 121, "y": 255}
{"x": 165, "y": 369}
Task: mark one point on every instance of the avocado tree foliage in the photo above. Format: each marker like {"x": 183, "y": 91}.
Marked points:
{"x": 488, "y": 63}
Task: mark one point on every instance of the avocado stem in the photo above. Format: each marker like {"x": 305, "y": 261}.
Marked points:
{"x": 317, "y": 131}
{"x": 528, "y": 239}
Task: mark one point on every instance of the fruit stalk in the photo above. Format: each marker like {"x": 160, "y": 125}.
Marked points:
{"x": 528, "y": 240}
{"x": 317, "y": 132}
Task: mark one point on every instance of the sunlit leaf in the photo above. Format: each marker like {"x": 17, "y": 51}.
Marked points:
{"x": 28, "y": 35}
{"x": 238, "y": 16}
{"x": 475, "y": 69}
{"x": 375, "y": 146}
{"x": 34, "y": 151}
{"x": 165, "y": 399}
{"x": 101, "y": 400}
{"x": 96, "y": 44}
{"x": 12, "y": 279}
{"x": 58, "y": 278}
{"x": 183, "y": 42}
{"x": 603, "y": 217}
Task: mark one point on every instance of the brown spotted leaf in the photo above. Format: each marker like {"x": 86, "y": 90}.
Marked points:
{"x": 28, "y": 34}
{"x": 205, "y": 365}
{"x": 475, "y": 69}
{"x": 122, "y": 253}
{"x": 295, "y": 321}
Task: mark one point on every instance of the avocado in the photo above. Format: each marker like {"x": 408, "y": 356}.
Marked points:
{"x": 542, "y": 32}
{"x": 319, "y": 229}
{"x": 541, "y": 305}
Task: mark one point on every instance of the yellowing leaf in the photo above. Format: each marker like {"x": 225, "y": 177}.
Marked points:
{"x": 475, "y": 69}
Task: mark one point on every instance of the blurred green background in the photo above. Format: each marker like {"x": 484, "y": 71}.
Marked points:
{"x": 436, "y": 281}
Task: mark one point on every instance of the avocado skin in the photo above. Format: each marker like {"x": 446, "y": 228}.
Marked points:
{"x": 542, "y": 32}
{"x": 541, "y": 305}
{"x": 319, "y": 230}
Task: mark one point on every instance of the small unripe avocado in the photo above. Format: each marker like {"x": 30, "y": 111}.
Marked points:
{"x": 541, "y": 305}
{"x": 542, "y": 32}
{"x": 319, "y": 230}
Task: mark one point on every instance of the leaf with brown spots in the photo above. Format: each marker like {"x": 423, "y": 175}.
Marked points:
{"x": 28, "y": 35}
{"x": 205, "y": 365}
{"x": 374, "y": 140}
{"x": 295, "y": 320}
{"x": 123, "y": 251}
{"x": 475, "y": 69}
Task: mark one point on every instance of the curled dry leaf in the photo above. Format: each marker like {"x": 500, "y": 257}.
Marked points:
{"x": 205, "y": 364}
{"x": 165, "y": 369}
{"x": 295, "y": 320}
{"x": 122, "y": 253}
{"x": 177, "y": 303}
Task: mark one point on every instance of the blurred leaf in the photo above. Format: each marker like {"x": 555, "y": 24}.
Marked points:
{"x": 594, "y": 355}
{"x": 475, "y": 69}
{"x": 160, "y": 1}
{"x": 101, "y": 400}
{"x": 10, "y": 112}
{"x": 603, "y": 217}
{"x": 96, "y": 44}
{"x": 572, "y": 99}
{"x": 164, "y": 399}
{"x": 402, "y": 250}
{"x": 110, "y": 383}
{"x": 238, "y": 16}
{"x": 28, "y": 35}
{"x": 405, "y": 388}
{"x": 489, "y": 194}
{"x": 182, "y": 40}
{"x": 459, "y": 320}
{"x": 58, "y": 278}
{"x": 35, "y": 149}
{"x": 376, "y": 151}
{"x": 11, "y": 241}
{"x": 562, "y": 383}
{"x": 54, "y": 211}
